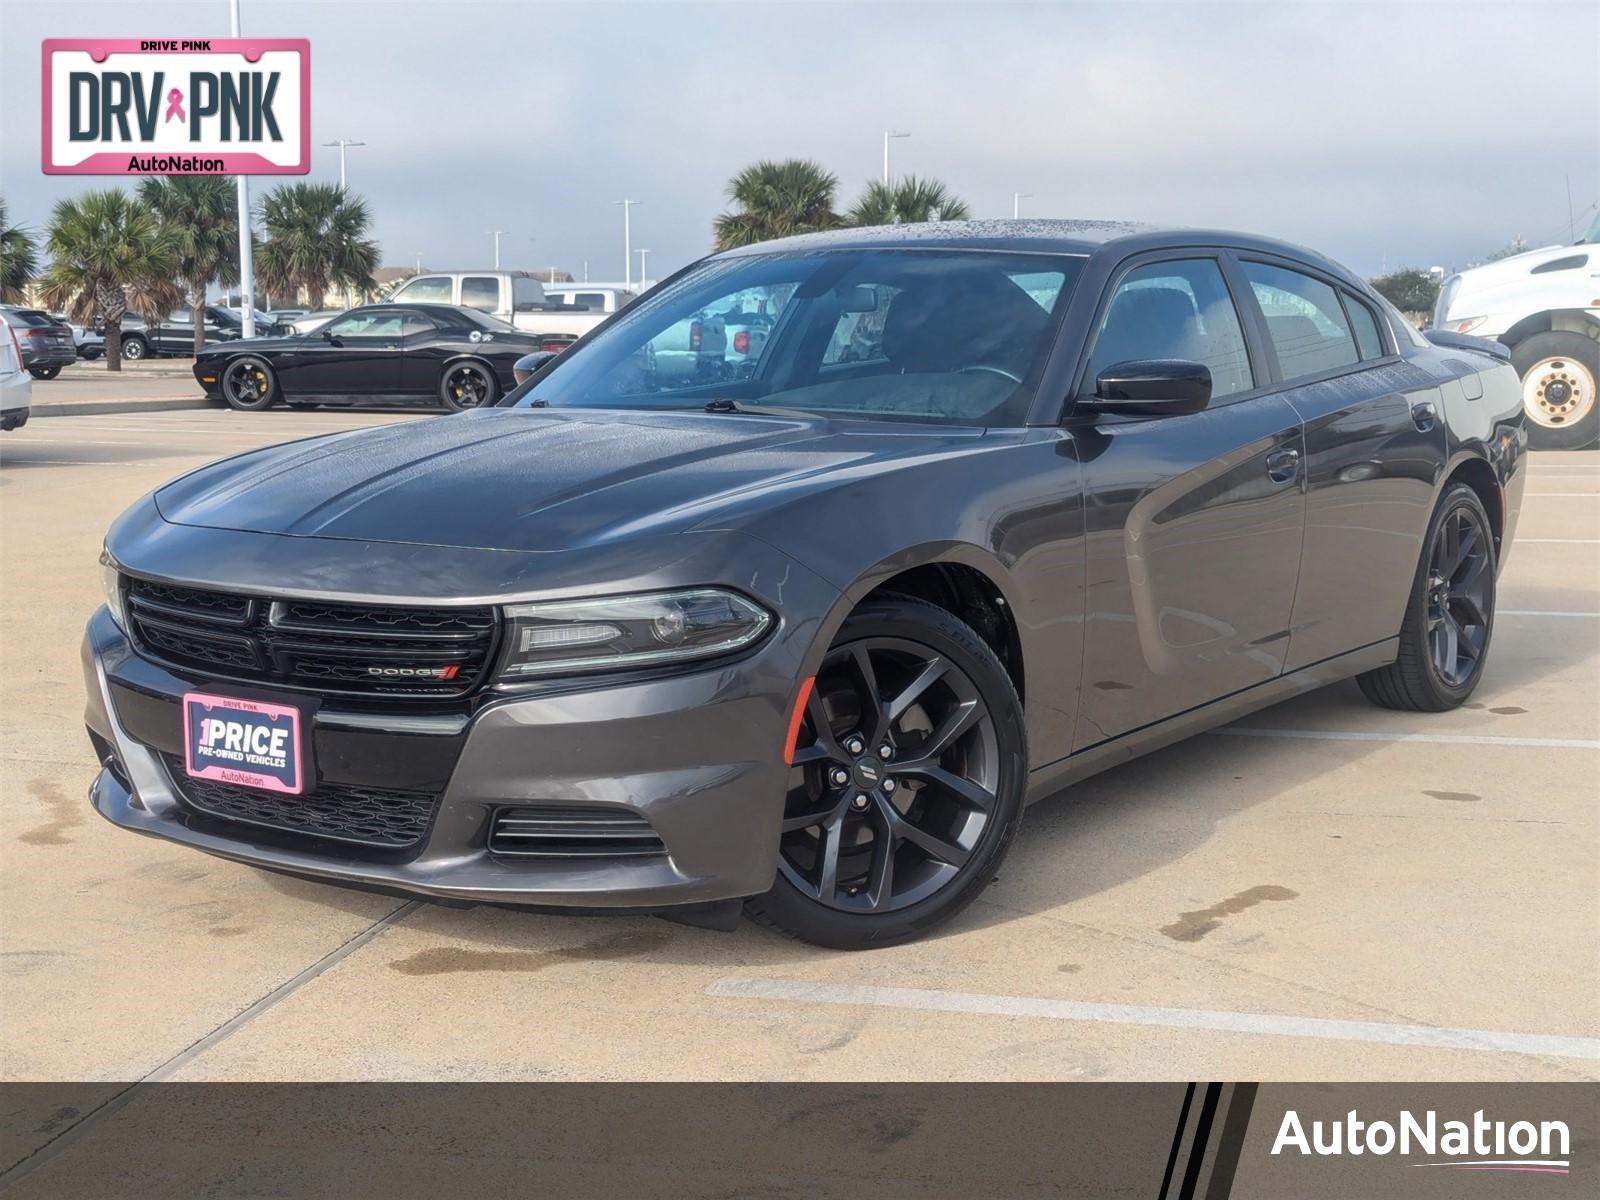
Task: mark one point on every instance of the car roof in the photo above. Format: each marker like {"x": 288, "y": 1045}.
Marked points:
{"x": 1115, "y": 239}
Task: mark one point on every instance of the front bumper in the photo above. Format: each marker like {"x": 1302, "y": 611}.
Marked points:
{"x": 698, "y": 755}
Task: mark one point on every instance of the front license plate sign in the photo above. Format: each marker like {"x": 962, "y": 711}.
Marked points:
{"x": 243, "y": 742}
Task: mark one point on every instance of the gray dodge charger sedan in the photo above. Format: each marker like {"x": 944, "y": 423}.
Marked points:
{"x": 993, "y": 506}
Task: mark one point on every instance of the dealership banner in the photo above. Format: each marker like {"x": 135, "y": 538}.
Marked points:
{"x": 884, "y": 1141}
{"x": 175, "y": 106}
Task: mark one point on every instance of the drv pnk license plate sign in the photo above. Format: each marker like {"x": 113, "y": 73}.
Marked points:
{"x": 243, "y": 742}
{"x": 177, "y": 106}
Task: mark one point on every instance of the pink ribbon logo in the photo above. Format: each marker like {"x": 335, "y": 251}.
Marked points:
{"x": 175, "y": 105}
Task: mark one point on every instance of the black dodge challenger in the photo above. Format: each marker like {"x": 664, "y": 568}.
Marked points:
{"x": 996, "y": 506}
{"x": 429, "y": 353}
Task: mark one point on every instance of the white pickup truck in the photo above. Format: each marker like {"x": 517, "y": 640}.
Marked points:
{"x": 516, "y": 297}
{"x": 1544, "y": 305}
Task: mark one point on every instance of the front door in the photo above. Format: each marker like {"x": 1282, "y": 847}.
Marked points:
{"x": 1193, "y": 523}
{"x": 357, "y": 354}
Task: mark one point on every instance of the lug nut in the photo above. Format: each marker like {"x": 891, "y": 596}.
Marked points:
{"x": 888, "y": 787}
{"x": 858, "y": 803}
{"x": 886, "y": 752}
{"x": 840, "y": 777}
{"x": 854, "y": 745}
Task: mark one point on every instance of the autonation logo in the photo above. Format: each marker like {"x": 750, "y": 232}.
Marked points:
{"x": 1476, "y": 1145}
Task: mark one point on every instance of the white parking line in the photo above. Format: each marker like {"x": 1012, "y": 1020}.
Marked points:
{"x": 1558, "y": 541}
{"x": 1272, "y": 1024}
{"x": 1536, "y": 612}
{"x": 1431, "y": 739}
{"x": 1588, "y": 495}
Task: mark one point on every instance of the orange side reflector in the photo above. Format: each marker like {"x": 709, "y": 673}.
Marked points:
{"x": 796, "y": 717}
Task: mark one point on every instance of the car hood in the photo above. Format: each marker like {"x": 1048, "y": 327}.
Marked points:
{"x": 233, "y": 345}
{"x": 540, "y": 480}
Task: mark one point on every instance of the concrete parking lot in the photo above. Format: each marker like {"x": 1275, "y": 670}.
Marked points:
{"x": 1324, "y": 891}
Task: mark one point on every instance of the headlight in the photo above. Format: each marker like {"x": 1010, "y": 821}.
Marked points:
{"x": 617, "y": 632}
{"x": 111, "y": 582}
{"x": 1466, "y": 324}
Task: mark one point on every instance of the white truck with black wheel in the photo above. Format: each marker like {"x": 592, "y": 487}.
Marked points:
{"x": 1545, "y": 306}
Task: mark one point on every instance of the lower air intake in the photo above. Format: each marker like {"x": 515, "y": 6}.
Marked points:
{"x": 573, "y": 831}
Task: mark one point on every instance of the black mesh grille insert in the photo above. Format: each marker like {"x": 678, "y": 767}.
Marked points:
{"x": 359, "y": 648}
{"x": 573, "y": 831}
{"x": 381, "y": 817}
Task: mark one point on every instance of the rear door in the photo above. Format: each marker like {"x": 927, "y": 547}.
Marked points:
{"x": 175, "y": 334}
{"x": 1374, "y": 450}
{"x": 1194, "y": 522}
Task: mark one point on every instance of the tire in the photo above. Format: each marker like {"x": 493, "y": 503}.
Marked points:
{"x": 249, "y": 384}
{"x": 1560, "y": 375}
{"x": 1415, "y": 681}
{"x": 468, "y": 384}
{"x": 915, "y": 848}
{"x": 48, "y": 371}
{"x": 135, "y": 346}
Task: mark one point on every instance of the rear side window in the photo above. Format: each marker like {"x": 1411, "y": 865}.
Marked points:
{"x": 525, "y": 290}
{"x": 1304, "y": 320}
{"x": 1365, "y": 327}
{"x": 1176, "y": 309}
{"x": 481, "y": 292}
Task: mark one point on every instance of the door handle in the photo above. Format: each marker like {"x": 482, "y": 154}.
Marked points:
{"x": 1283, "y": 466}
{"x": 1424, "y": 416}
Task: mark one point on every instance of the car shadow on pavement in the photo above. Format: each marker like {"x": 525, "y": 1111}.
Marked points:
{"x": 1090, "y": 838}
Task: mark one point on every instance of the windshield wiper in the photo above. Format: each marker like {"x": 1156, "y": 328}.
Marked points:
{"x": 723, "y": 405}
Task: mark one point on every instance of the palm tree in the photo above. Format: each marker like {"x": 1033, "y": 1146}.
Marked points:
{"x": 109, "y": 253}
{"x": 316, "y": 234}
{"x": 19, "y": 258}
{"x": 906, "y": 201}
{"x": 776, "y": 199}
{"x": 199, "y": 213}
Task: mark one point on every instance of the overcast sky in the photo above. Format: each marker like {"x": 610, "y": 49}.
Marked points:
{"x": 1382, "y": 134}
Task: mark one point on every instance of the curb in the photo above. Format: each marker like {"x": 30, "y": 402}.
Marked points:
{"x": 100, "y": 408}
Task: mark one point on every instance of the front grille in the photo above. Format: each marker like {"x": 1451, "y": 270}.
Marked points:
{"x": 381, "y": 817}
{"x": 360, "y": 648}
{"x": 573, "y": 831}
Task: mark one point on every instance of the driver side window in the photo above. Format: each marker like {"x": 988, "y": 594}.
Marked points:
{"x": 1178, "y": 309}
{"x": 366, "y": 324}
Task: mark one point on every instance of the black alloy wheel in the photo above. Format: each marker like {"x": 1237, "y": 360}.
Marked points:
{"x": 907, "y": 781}
{"x": 248, "y": 384}
{"x": 1450, "y": 619}
{"x": 49, "y": 371}
{"x": 468, "y": 385}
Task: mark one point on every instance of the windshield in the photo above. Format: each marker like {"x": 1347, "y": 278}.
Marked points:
{"x": 955, "y": 336}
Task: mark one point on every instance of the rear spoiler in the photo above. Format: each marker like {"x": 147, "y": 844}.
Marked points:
{"x": 1465, "y": 341}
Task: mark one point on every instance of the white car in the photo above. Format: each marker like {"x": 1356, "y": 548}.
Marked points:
{"x": 16, "y": 387}
{"x": 1545, "y": 306}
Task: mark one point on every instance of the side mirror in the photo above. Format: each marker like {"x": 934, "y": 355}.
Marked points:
{"x": 1152, "y": 388}
{"x": 529, "y": 364}
{"x": 326, "y": 335}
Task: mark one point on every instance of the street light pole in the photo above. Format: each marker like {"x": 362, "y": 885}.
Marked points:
{"x": 247, "y": 273}
{"x": 1016, "y": 203}
{"x": 642, "y": 251}
{"x": 497, "y": 235}
{"x": 627, "y": 243}
{"x": 887, "y": 134}
{"x": 342, "y": 143}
